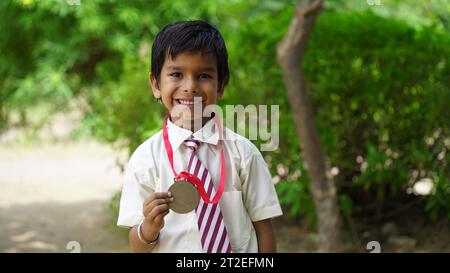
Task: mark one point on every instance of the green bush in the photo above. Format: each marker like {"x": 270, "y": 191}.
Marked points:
{"x": 381, "y": 90}
{"x": 379, "y": 87}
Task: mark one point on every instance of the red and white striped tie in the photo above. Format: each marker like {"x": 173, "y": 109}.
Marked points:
{"x": 214, "y": 236}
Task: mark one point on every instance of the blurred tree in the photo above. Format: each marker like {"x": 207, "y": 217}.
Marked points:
{"x": 290, "y": 55}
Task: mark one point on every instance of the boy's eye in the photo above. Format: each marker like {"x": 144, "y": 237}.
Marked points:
{"x": 175, "y": 74}
{"x": 204, "y": 76}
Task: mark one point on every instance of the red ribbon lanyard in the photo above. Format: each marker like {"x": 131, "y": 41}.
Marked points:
{"x": 192, "y": 178}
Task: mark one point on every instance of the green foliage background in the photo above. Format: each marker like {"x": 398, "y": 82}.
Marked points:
{"x": 379, "y": 79}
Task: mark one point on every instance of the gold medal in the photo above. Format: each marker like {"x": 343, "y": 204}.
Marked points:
{"x": 185, "y": 196}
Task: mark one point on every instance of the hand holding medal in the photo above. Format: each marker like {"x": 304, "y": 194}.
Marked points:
{"x": 188, "y": 188}
{"x": 155, "y": 208}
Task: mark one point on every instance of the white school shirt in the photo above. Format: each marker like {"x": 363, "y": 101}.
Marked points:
{"x": 249, "y": 193}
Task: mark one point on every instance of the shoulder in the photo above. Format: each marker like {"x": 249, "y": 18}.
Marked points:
{"x": 240, "y": 145}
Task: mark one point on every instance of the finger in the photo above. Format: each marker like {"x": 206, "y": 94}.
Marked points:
{"x": 159, "y": 220}
{"x": 161, "y": 201}
{"x": 156, "y": 195}
{"x": 149, "y": 207}
{"x": 158, "y": 210}
{"x": 163, "y": 194}
{"x": 165, "y": 213}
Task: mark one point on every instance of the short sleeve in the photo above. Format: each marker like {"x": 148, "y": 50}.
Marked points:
{"x": 138, "y": 184}
{"x": 259, "y": 193}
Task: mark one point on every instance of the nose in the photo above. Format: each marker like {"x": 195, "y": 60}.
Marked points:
{"x": 190, "y": 85}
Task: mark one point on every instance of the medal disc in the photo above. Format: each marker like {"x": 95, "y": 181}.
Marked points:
{"x": 185, "y": 196}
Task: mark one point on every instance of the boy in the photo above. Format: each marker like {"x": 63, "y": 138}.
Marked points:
{"x": 237, "y": 198}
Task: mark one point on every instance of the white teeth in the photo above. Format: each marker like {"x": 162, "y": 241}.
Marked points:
{"x": 186, "y": 102}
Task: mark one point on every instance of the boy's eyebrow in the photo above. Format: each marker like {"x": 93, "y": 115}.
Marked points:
{"x": 176, "y": 67}
{"x": 208, "y": 68}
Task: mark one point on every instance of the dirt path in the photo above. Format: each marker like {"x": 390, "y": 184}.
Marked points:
{"x": 54, "y": 194}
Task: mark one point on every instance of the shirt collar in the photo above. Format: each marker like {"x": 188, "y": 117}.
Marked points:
{"x": 177, "y": 135}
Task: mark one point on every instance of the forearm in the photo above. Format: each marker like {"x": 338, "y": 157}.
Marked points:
{"x": 136, "y": 244}
{"x": 265, "y": 236}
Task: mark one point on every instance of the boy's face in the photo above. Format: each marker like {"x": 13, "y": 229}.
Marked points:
{"x": 187, "y": 76}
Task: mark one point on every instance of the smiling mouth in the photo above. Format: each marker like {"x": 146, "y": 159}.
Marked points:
{"x": 188, "y": 102}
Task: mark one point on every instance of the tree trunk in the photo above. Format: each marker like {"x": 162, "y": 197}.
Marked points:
{"x": 290, "y": 54}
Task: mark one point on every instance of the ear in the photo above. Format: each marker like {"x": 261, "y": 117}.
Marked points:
{"x": 155, "y": 86}
{"x": 221, "y": 89}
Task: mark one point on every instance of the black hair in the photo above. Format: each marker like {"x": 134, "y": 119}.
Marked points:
{"x": 190, "y": 36}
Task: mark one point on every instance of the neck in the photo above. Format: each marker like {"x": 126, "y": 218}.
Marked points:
{"x": 190, "y": 124}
